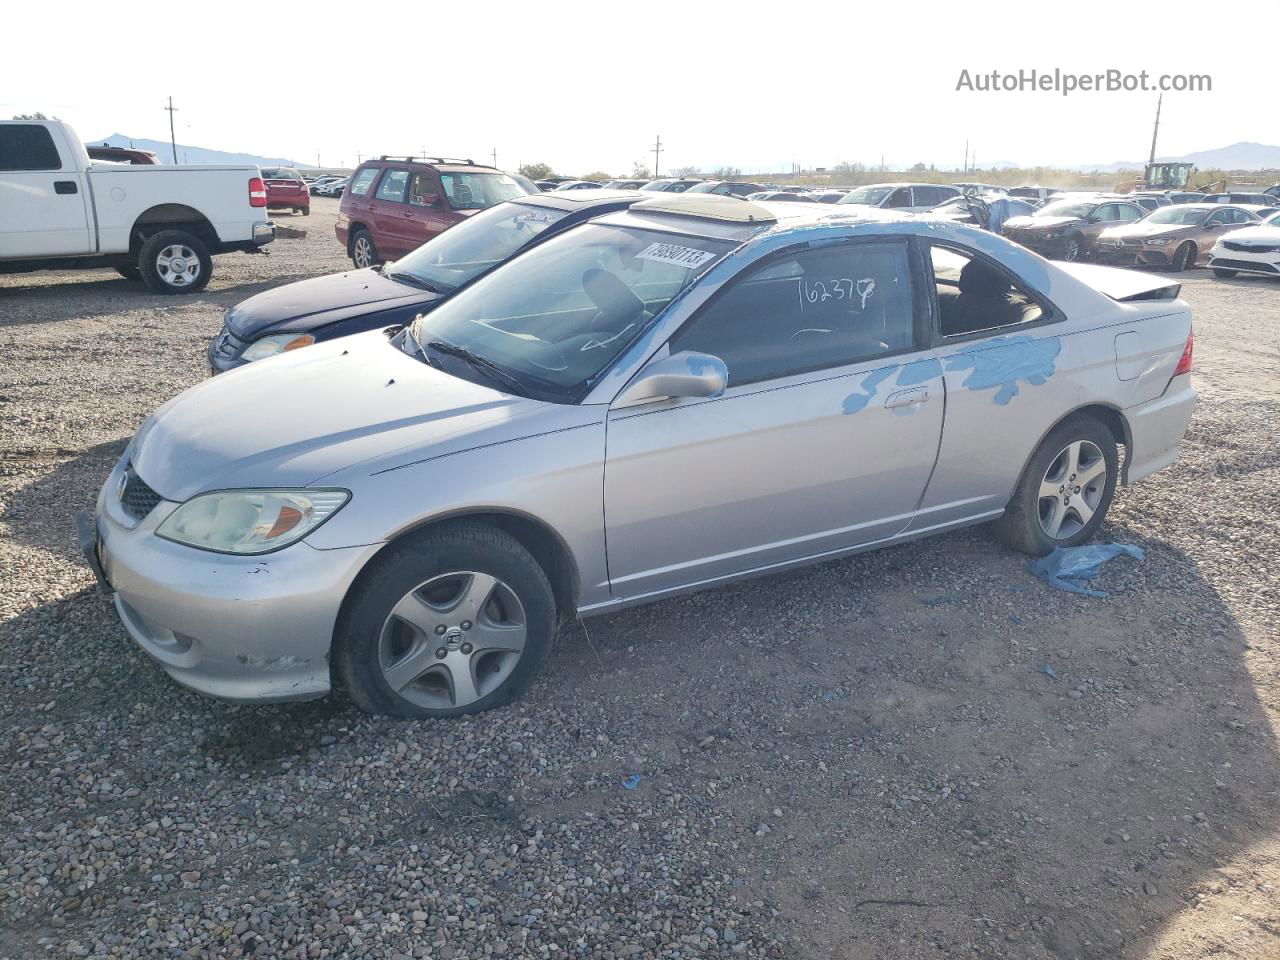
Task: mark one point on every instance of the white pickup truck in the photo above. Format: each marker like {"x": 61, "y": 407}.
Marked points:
{"x": 60, "y": 210}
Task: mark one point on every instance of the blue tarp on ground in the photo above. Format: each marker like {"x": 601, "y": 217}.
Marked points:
{"x": 1070, "y": 568}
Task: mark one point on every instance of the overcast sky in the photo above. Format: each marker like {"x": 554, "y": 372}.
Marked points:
{"x": 589, "y": 89}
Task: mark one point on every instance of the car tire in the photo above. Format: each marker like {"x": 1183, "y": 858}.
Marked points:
{"x": 1072, "y": 249}
{"x": 1051, "y": 507}
{"x": 363, "y": 251}
{"x": 305, "y": 211}
{"x": 130, "y": 273}
{"x": 1184, "y": 258}
{"x": 1224, "y": 274}
{"x": 454, "y": 620}
{"x": 175, "y": 261}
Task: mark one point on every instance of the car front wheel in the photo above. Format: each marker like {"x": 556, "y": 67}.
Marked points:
{"x": 1185, "y": 257}
{"x": 1065, "y": 490}
{"x": 363, "y": 252}
{"x": 1072, "y": 249}
{"x": 454, "y": 620}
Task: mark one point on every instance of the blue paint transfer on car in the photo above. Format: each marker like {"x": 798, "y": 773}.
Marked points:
{"x": 918, "y": 371}
{"x": 856, "y": 402}
{"x": 998, "y": 364}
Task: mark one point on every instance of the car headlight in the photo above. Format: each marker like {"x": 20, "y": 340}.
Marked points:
{"x": 250, "y": 521}
{"x": 1051, "y": 234}
{"x": 1158, "y": 241}
{"x": 276, "y": 343}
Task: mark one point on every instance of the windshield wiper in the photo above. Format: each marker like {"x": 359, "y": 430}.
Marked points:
{"x": 413, "y": 280}
{"x": 483, "y": 364}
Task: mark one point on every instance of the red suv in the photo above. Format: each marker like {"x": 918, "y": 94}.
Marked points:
{"x": 286, "y": 190}
{"x": 395, "y": 204}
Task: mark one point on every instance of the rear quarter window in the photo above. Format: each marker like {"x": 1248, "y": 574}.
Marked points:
{"x": 27, "y": 146}
{"x": 362, "y": 181}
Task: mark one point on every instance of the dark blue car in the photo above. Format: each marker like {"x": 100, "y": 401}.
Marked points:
{"x": 299, "y": 314}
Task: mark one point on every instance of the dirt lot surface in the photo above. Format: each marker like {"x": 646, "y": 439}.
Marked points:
{"x": 866, "y": 759}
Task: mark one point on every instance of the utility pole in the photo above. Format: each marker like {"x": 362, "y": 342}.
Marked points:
{"x": 173, "y": 141}
{"x": 1156, "y": 130}
{"x": 495, "y": 156}
{"x": 317, "y": 158}
{"x": 966, "y": 157}
{"x": 657, "y": 151}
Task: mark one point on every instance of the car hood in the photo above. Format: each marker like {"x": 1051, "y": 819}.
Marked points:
{"x": 293, "y": 419}
{"x": 1260, "y": 235}
{"x": 325, "y": 299}
{"x": 1040, "y": 223}
{"x": 1141, "y": 230}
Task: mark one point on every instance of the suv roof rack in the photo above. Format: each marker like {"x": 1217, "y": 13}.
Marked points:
{"x": 468, "y": 161}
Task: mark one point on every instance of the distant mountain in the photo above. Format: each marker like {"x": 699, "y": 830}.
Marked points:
{"x": 1239, "y": 156}
{"x": 190, "y": 154}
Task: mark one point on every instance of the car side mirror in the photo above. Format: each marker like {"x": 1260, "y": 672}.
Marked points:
{"x": 683, "y": 374}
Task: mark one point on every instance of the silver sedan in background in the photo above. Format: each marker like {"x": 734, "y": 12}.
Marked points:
{"x": 697, "y": 390}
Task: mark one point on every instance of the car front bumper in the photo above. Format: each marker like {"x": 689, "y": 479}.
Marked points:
{"x": 247, "y": 629}
{"x": 1263, "y": 263}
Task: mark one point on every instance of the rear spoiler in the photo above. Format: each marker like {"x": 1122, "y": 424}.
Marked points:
{"x": 1123, "y": 286}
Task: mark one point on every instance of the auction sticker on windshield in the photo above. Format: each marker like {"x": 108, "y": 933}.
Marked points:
{"x": 675, "y": 254}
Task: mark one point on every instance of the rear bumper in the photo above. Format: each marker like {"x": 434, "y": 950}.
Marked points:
{"x": 288, "y": 203}
{"x": 1156, "y": 429}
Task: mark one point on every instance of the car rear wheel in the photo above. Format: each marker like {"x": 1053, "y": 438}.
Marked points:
{"x": 175, "y": 261}
{"x": 1225, "y": 274}
{"x": 1072, "y": 249}
{"x": 455, "y": 620}
{"x": 363, "y": 252}
{"x": 1065, "y": 490}
{"x": 1184, "y": 258}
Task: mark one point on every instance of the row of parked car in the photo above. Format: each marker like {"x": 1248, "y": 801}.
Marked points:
{"x": 572, "y": 402}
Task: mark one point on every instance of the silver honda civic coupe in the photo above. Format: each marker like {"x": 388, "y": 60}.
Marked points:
{"x": 694, "y": 391}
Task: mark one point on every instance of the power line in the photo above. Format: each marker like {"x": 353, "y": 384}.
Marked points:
{"x": 173, "y": 141}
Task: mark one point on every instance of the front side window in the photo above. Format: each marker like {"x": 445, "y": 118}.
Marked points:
{"x": 557, "y": 316}
{"x": 810, "y": 310}
{"x": 974, "y": 296}
{"x": 27, "y": 146}
{"x": 422, "y": 191}
{"x": 479, "y": 191}
{"x": 899, "y": 198}
{"x": 393, "y": 186}
{"x": 363, "y": 181}
{"x": 475, "y": 245}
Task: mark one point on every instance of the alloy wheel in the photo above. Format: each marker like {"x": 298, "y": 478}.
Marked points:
{"x": 1072, "y": 489}
{"x": 452, "y": 640}
{"x": 1071, "y": 251}
{"x": 362, "y": 252}
{"x": 178, "y": 265}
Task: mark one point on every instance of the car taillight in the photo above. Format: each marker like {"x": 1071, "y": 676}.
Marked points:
{"x": 257, "y": 192}
{"x": 1184, "y": 363}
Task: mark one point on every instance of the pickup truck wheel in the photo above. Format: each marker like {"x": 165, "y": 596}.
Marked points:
{"x": 454, "y": 620}
{"x": 130, "y": 273}
{"x": 1224, "y": 274}
{"x": 1065, "y": 490}
{"x": 174, "y": 261}
{"x": 363, "y": 252}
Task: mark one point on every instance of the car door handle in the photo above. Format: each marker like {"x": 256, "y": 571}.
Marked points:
{"x": 65, "y": 186}
{"x": 407, "y": 214}
{"x": 905, "y": 398}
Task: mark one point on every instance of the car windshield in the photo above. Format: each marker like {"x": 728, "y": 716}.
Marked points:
{"x": 1067, "y": 208}
{"x": 705, "y": 187}
{"x": 1177, "y": 215}
{"x": 479, "y": 191}
{"x": 465, "y": 251}
{"x": 1273, "y": 218}
{"x": 870, "y": 196}
{"x": 554, "y": 318}
{"x": 657, "y": 185}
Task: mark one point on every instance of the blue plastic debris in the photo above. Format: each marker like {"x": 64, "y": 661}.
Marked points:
{"x": 631, "y": 782}
{"x": 1048, "y": 671}
{"x": 1070, "y": 568}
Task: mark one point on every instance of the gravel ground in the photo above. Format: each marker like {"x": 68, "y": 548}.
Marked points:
{"x": 865, "y": 759}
